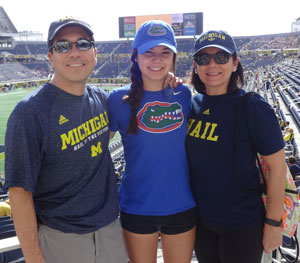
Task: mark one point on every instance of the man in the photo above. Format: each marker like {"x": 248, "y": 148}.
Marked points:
{"x": 58, "y": 168}
{"x": 294, "y": 167}
{"x": 268, "y": 84}
{"x": 286, "y": 127}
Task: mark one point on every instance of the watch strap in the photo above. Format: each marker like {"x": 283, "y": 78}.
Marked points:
{"x": 272, "y": 222}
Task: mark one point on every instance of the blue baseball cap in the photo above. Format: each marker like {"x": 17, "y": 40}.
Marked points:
{"x": 215, "y": 38}
{"x": 154, "y": 33}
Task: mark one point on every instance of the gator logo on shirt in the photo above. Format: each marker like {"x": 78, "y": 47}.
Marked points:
{"x": 160, "y": 117}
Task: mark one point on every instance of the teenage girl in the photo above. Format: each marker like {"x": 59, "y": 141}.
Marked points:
{"x": 155, "y": 194}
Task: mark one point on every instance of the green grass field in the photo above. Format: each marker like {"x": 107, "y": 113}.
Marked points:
{"x": 7, "y": 103}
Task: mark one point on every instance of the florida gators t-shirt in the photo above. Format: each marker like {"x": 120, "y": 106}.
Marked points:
{"x": 156, "y": 179}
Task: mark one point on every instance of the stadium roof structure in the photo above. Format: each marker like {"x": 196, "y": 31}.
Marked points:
{"x": 6, "y": 26}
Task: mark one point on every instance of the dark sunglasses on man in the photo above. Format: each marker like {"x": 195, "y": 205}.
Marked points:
{"x": 203, "y": 59}
{"x": 66, "y": 46}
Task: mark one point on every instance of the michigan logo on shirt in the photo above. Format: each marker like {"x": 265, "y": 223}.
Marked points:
{"x": 160, "y": 117}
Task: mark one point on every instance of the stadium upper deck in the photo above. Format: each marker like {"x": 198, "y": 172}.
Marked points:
{"x": 114, "y": 56}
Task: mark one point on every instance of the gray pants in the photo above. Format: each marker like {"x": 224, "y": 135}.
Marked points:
{"x": 105, "y": 245}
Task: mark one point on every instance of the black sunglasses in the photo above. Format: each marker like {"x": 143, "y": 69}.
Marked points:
{"x": 204, "y": 58}
{"x": 66, "y": 46}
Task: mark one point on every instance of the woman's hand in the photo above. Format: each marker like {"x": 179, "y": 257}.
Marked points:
{"x": 172, "y": 81}
{"x": 272, "y": 238}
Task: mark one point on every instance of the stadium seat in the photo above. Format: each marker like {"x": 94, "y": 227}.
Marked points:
{"x": 13, "y": 256}
{"x": 6, "y": 222}
{"x": 7, "y": 234}
{"x": 3, "y": 218}
{"x": 7, "y": 231}
{"x": 7, "y": 227}
{"x": 297, "y": 180}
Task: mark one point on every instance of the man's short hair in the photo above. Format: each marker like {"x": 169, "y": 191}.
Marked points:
{"x": 292, "y": 159}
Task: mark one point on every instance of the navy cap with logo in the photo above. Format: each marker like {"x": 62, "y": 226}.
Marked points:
{"x": 215, "y": 38}
{"x": 68, "y": 21}
{"x": 154, "y": 33}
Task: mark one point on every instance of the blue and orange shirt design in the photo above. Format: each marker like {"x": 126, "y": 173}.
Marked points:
{"x": 160, "y": 117}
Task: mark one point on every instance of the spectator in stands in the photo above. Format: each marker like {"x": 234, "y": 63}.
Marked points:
{"x": 277, "y": 110}
{"x": 289, "y": 136}
{"x": 294, "y": 167}
{"x": 268, "y": 84}
{"x": 286, "y": 127}
{"x": 5, "y": 209}
{"x": 58, "y": 169}
{"x": 1, "y": 178}
{"x": 281, "y": 123}
{"x": 232, "y": 225}
{"x": 2, "y": 190}
{"x": 155, "y": 195}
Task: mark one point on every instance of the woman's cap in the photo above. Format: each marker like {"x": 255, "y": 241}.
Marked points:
{"x": 154, "y": 33}
{"x": 68, "y": 21}
{"x": 215, "y": 38}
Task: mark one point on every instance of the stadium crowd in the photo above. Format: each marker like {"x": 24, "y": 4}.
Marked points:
{"x": 114, "y": 56}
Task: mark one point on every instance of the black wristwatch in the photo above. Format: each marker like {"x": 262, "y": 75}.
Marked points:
{"x": 273, "y": 222}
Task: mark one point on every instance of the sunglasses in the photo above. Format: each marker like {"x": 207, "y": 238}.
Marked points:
{"x": 66, "y": 46}
{"x": 204, "y": 58}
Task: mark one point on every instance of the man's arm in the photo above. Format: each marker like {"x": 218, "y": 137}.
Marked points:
{"x": 25, "y": 222}
{"x": 272, "y": 237}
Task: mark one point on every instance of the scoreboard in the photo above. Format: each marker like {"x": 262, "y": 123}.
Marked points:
{"x": 184, "y": 24}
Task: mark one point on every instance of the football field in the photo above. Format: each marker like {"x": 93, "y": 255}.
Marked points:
{"x": 8, "y": 101}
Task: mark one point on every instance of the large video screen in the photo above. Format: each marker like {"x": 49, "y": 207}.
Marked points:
{"x": 185, "y": 24}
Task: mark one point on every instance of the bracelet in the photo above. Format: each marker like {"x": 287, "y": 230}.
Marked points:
{"x": 273, "y": 222}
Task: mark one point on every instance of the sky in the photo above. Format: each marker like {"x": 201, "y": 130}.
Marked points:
{"x": 237, "y": 17}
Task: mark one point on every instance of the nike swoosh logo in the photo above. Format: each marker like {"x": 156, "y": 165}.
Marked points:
{"x": 176, "y": 93}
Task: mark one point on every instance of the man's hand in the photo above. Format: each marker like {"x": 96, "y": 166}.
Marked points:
{"x": 25, "y": 222}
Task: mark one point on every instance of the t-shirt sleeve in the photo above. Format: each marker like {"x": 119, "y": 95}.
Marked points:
{"x": 264, "y": 126}
{"x": 22, "y": 150}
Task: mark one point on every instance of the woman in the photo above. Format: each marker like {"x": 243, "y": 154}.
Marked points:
{"x": 231, "y": 225}
{"x": 155, "y": 193}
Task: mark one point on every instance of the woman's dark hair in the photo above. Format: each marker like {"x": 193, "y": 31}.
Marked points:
{"x": 236, "y": 80}
{"x": 136, "y": 91}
